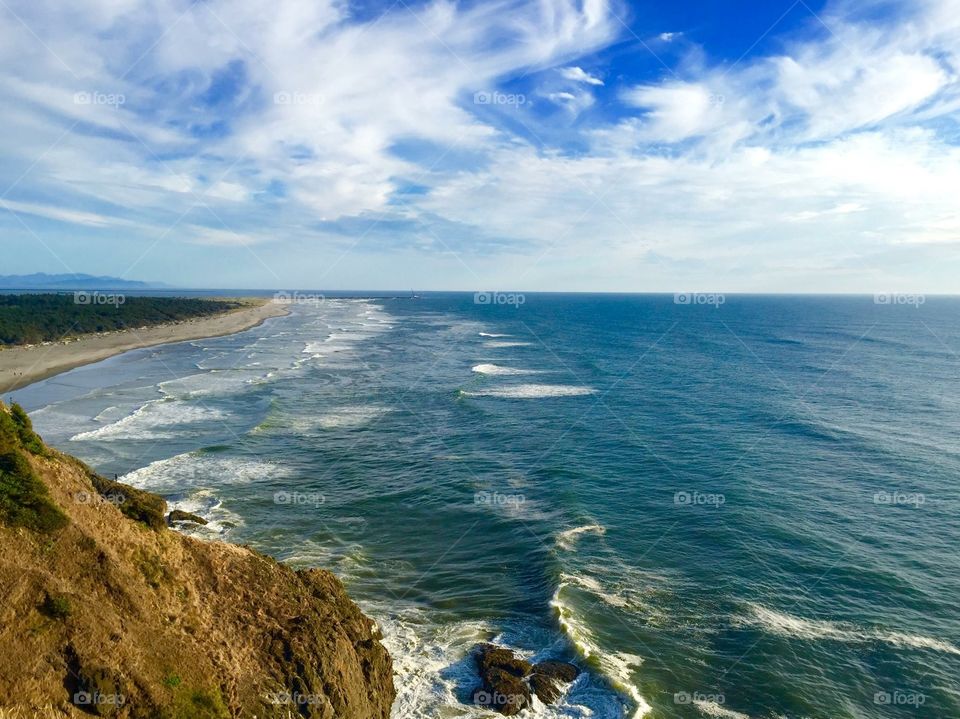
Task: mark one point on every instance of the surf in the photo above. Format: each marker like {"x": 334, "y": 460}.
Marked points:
{"x": 786, "y": 625}
{"x": 531, "y": 391}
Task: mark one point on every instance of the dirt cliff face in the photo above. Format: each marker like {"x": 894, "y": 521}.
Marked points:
{"x": 105, "y": 611}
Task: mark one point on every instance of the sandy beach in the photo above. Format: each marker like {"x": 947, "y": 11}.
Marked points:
{"x": 20, "y": 366}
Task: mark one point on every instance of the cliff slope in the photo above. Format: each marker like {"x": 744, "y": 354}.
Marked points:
{"x": 104, "y": 611}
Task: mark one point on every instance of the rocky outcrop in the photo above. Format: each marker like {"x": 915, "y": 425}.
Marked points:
{"x": 107, "y": 612}
{"x": 509, "y": 682}
{"x": 178, "y": 515}
{"x": 547, "y": 677}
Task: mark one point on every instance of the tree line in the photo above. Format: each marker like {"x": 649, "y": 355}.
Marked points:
{"x": 34, "y": 318}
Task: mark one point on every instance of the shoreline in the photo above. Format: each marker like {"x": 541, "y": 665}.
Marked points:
{"x": 23, "y": 366}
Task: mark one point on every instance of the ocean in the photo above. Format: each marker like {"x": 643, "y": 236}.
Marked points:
{"x": 740, "y": 508}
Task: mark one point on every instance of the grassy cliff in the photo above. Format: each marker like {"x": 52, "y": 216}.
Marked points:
{"x": 107, "y": 612}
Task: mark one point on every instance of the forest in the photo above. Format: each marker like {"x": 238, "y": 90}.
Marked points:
{"x": 34, "y": 318}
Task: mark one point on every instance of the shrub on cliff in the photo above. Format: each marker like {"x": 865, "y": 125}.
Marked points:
{"x": 9, "y": 435}
{"x": 24, "y": 500}
{"x": 28, "y": 438}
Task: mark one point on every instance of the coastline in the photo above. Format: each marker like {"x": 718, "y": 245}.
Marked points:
{"x": 22, "y": 366}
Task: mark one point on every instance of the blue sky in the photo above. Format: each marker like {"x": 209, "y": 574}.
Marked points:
{"x": 785, "y": 146}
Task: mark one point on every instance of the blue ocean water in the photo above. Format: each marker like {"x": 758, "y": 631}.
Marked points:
{"x": 738, "y": 510}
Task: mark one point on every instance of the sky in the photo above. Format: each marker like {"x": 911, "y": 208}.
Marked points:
{"x": 763, "y": 146}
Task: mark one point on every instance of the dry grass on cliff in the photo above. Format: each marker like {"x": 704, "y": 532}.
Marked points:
{"x": 109, "y": 603}
{"x": 47, "y": 713}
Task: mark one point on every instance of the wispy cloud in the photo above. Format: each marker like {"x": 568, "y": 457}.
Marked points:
{"x": 469, "y": 141}
{"x": 578, "y": 74}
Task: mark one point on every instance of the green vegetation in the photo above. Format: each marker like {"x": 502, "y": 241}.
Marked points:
{"x": 28, "y": 438}
{"x": 24, "y": 500}
{"x": 207, "y": 704}
{"x": 56, "y": 606}
{"x": 32, "y": 318}
{"x": 197, "y": 704}
{"x": 152, "y": 568}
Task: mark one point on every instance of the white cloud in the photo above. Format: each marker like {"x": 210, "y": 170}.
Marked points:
{"x": 578, "y": 74}
{"x": 74, "y": 217}
{"x": 219, "y": 236}
{"x": 818, "y": 167}
{"x": 838, "y": 95}
{"x": 678, "y": 110}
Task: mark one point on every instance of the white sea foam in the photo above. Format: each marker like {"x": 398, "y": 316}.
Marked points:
{"x": 618, "y": 667}
{"x": 624, "y": 588}
{"x": 435, "y": 673}
{"x": 567, "y": 538}
{"x": 492, "y": 334}
{"x": 799, "y": 628}
{"x": 712, "y": 709}
{"x": 594, "y": 587}
{"x": 210, "y": 383}
{"x": 495, "y": 344}
{"x": 197, "y": 469}
{"x": 204, "y": 503}
{"x": 340, "y": 418}
{"x": 500, "y": 370}
{"x": 156, "y": 419}
{"x": 110, "y": 414}
{"x": 425, "y": 662}
{"x": 343, "y": 557}
{"x": 899, "y": 639}
{"x": 531, "y": 391}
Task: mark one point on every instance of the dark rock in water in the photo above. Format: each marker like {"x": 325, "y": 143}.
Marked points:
{"x": 506, "y": 693}
{"x": 490, "y": 656}
{"x": 178, "y": 515}
{"x": 546, "y": 688}
{"x": 502, "y": 673}
{"x": 547, "y": 676}
{"x": 508, "y": 679}
{"x": 562, "y": 671}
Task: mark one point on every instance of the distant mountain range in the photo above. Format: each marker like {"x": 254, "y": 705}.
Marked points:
{"x": 43, "y": 281}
